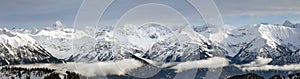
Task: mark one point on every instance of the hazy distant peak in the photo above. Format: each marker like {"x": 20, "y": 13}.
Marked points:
{"x": 58, "y": 24}
{"x": 288, "y": 23}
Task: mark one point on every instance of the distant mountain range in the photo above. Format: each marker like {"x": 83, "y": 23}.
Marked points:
{"x": 154, "y": 41}
{"x": 260, "y": 44}
{"x": 243, "y": 44}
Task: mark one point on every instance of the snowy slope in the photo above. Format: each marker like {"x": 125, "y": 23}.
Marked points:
{"x": 208, "y": 29}
{"x": 277, "y": 41}
{"x": 142, "y": 37}
{"x": 213, "y": 32}
{"x": 18, "y": 48}
{"x": 60, "y": 42}
{"x": 57, "y": 41}
{"x": 281, "y": 43}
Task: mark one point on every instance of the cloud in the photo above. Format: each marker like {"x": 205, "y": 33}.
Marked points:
{"x": 35, "y": 12}
{"x": 214, "y": 62}
{"x": 259, "y": 61}
{"x": 46, "y": 12}
{"x": 120, "y": 67}
{"x": 289, "y": 67}
{"x": 261, "y": 64}
{"x": 258, "y": 7}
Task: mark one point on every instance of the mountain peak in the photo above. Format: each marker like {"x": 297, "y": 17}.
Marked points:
{"x": 288, "y": 24}
{"x": 58, "y": 24}
{"x": 152, "y": 24}
{"x": 287, "y": 21}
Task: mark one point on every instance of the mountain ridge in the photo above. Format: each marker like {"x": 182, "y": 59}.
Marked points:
{"x": 18, "y": 48}
{"x": 243, "y": 44}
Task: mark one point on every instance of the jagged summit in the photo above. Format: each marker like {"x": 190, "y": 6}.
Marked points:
{"x": 153, "y": 24}
{"x": 58, "y": 24}
{"x": 288, "y": 23}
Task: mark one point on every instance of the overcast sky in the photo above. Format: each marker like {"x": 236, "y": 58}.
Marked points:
{"x": 41, "y": 13}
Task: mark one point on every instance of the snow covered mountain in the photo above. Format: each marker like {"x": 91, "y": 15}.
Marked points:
{"x": 163, "y": 43}
{"x": 208, "y": 29}
{"x": 151, "y": 40}
{"x": 213, "y": 32}
{"x": 184, "y": 45}
{"x": 174, "y": 43}
{"x": 57, "y": 41}
{"x": 290, "y": 24}
{"x": 93, "y": 49}
{"x": 279, "y": 42}
{"x": 19, "y": 48}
